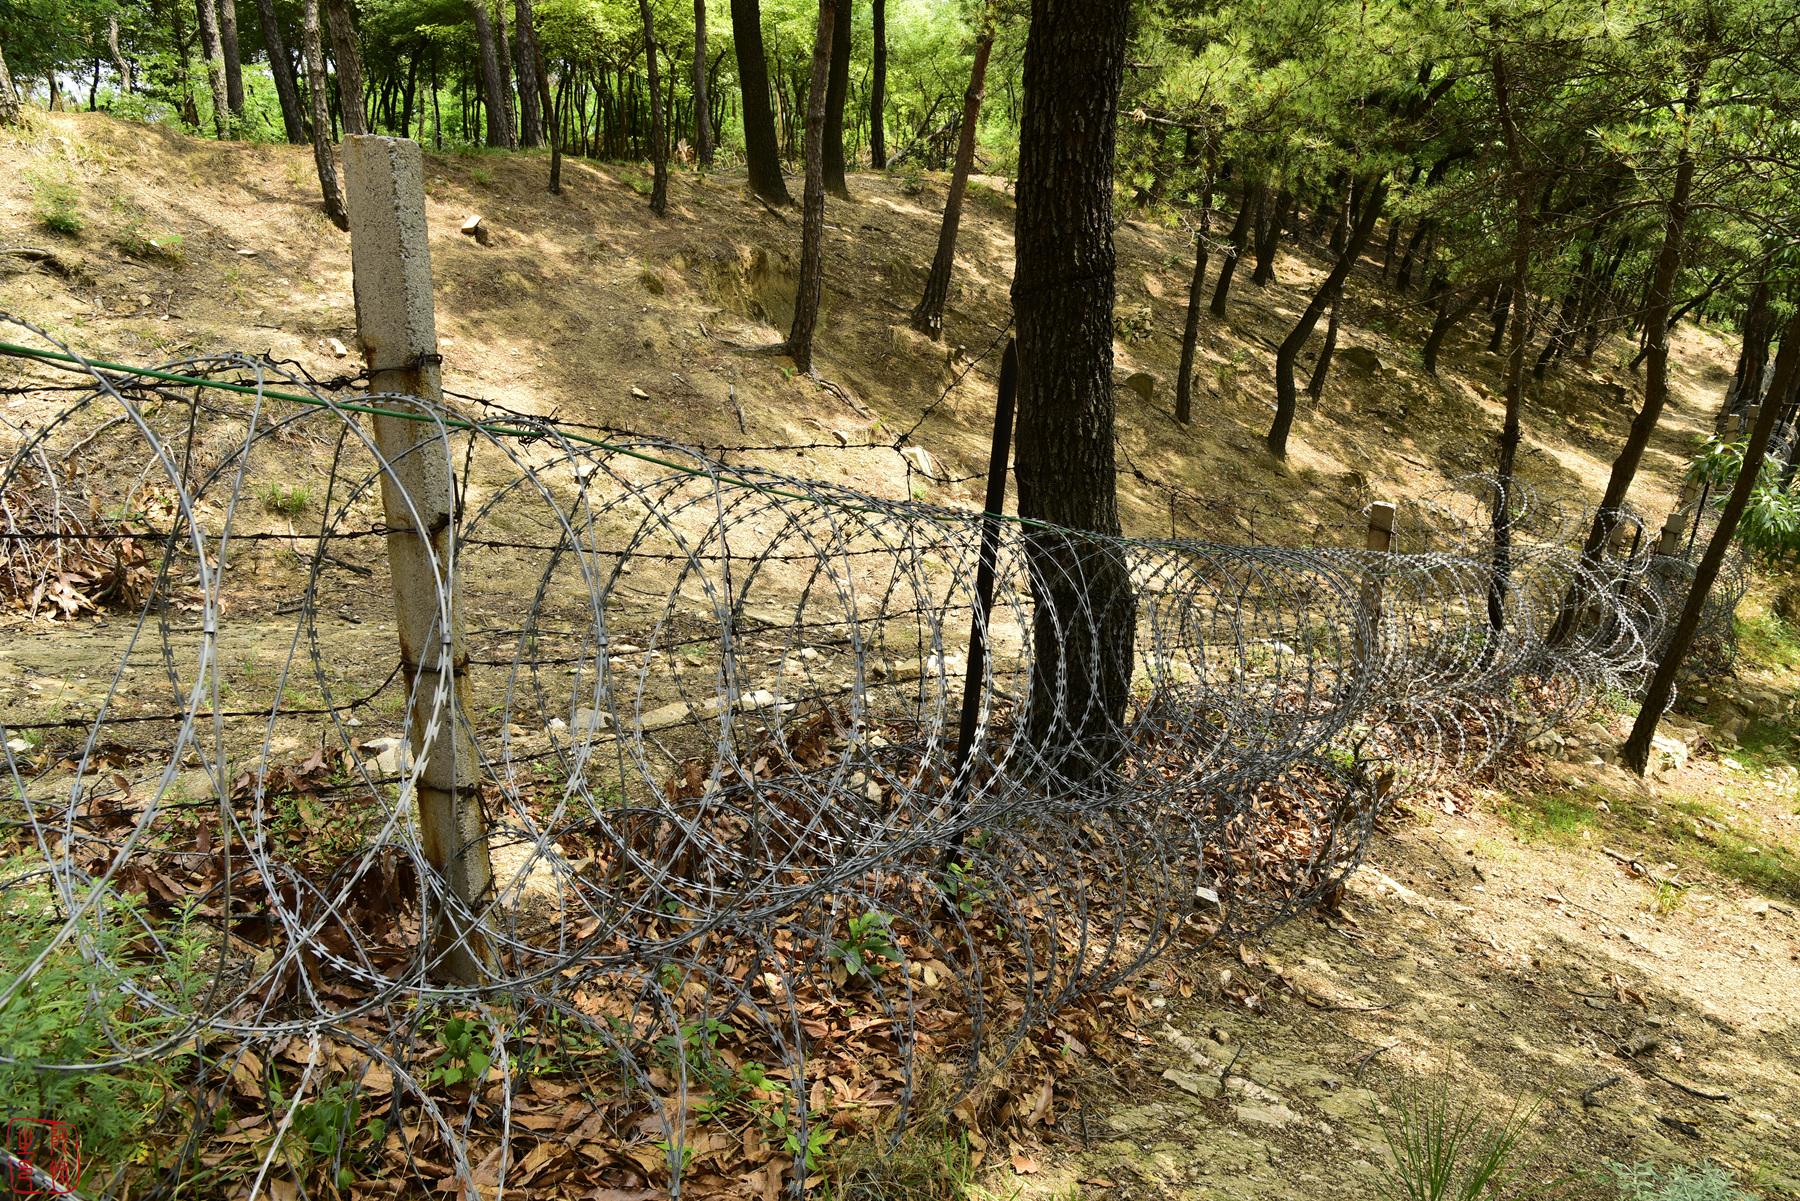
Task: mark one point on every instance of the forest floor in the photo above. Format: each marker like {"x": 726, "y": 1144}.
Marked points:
{"x": 1511, "y": 934}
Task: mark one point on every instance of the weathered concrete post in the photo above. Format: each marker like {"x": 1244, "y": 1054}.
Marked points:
{"x": 1669, "y": 544}
{"x": 1380, "y": 538}
{"x": 397, "y": 328}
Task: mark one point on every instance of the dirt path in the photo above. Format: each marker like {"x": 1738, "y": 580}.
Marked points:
{"x": 1498, "y": 943}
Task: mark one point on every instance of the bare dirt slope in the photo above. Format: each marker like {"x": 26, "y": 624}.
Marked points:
{"x": 579, "y": 299}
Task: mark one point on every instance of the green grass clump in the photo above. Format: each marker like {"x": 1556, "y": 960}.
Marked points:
{"x": 57, "y": 207}
{"x": 1768, "y": 640}
{"x": 1561, "y": 818}
{"x": 1443, "y": 1147}
{"x": 288, "y": 501}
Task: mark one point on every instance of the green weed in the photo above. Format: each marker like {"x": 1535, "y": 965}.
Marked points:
{"x": 1701, "y": 1182}
{"x": 133, "y": 241}
{"x": 57, "y": 209}
{"x": 289, "y": 501}
{"x": 1561, "y": 818}
{"x": 868, "y": 947}
{"x": 1452, "y": 1149}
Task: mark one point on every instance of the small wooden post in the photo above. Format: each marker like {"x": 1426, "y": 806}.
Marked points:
{"x": 397, "y": 328}
{"x": 1380, "y": 538}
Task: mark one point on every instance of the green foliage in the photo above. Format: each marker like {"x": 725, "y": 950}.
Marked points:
{"x": 1770, "y": 526}
{"x": 867, "y": 947}
{"x": 74, "y": 1009}
{"x": 290, "y": 501}
{"x": 1443, "y": 1148}
{"x": 329, "y": 1126}
{"x": 132, "y": 240}
{"x": 463, "y": 1053}
{"x": 1702, "y": 1182}
{"x": 57, "y": 209}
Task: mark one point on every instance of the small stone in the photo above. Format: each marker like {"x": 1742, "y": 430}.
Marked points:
{"x": 1193, "y": 1083}
{"x": 338, "y": 349}
{"x": 639, "y": 394}
{"x": 17, "y": 746}
{"x": 1361, "y": 359}
{"x": 557, "y": 725}
{"x": 920, "y": 460}
{"x": 1143, "y": 383}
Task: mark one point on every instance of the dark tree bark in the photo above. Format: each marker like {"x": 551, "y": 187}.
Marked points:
{"x": 529, "y": 44}
{"x": 1315, "y": 386}
{"x": 878, "y": 87}
{"x": 837, "y": 91}
{"x": 314, "y": 55}
{"x": 1286, "y": 395}
{"x": 1238, "y": 239}
{"x": 493, "y": 94}
{"x": 659, "y": 149}
{"x": 1656, "y": 376}
{"x": 1503, "y": 306}
{"x": 234, "y": 64}
{"x": 214, "y": 50}
{"x": 1706, "y": 572}
{"x": 1753, "y": 355}
{"x": 1449, "y": 313}
{"x": 703, "y": 130}
{"x": 761, "y": 154}
{"x": 1190, "y": 332}
{"x": 928, "y": 316}
{"x": 281, "y": 67}
{"x": 1270, "y": 242}
{"x": 526, "y": 70}
{"x": 348, "y": 58}
{"x": 9, "y": 96}
{"x": 1085, "y": 608}
{"x": 812, "y": 204}
{"x": 1524, "y": 230}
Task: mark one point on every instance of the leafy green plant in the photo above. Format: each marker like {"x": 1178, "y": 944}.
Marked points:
{"x": 330, "y": 1126}
{"x": 1700, "y": 1182}
{"x": 1443, "y": 1148}
{"x": 867, "y": 947}
{"x": 1770, "y": 526}
{"x": 464, "y": 1053}
{"x": 57, "y": 209}
{"x": 964, "y": 889}
{"x": 132, "y": 240}
{"x": 73, "y": 1010}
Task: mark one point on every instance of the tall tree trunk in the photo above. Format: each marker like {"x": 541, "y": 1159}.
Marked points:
{"x": 1449, "y": 312}
{"x": 234, "y": 64}
{"x": 281, "y": 68}
{"x": 1190, "y": 331}
{"x": 1085, "y": 607}
{"x": 314, "y": 55}
{"x": 837, "y": 91}
{"x": 547, "y": 106}
{"x": 1503, "y": 307}
{"x": 1238, "y": 239}
{"x": 659, "y": 149}
{"x": 122, "y": 67}
{"x": 9, "y": 96}
{"x": 703, "y": 130}
{"x": 1706, "y": 572}
{"x": 1315, "y": 387}
{"x": 349, "y": 66}
{"x": 1286, "y": 395}
{"x": 812, "y": 205}
{"x": 878, "y": 87}
{"x": 1524, "y": 230}
{"x": 1753, "y": 355}
{"x": 1270, "y": 242}
{"x": 214, "y": 49}
{"x": 761, "y": 154}
{"x": 493, "y": 94}
{"x": 526, "y": 70}
{"x": 928, "y": 316}
{"x": 1660, "y": 300}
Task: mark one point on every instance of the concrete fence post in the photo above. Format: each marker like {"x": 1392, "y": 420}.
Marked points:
{"x": 1380, "y": 538}
{"x": 397, "y": 328}
{"x": 1674, "y": 529}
